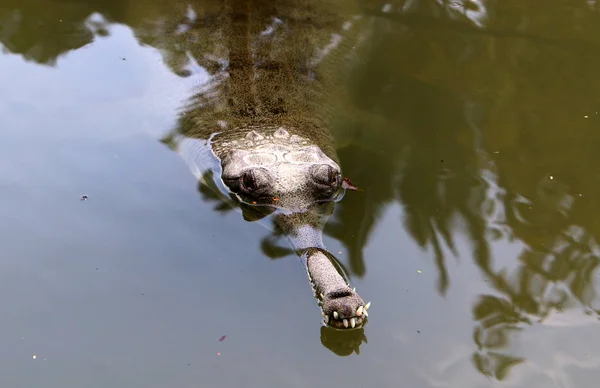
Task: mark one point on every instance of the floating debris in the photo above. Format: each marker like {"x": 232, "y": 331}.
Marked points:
{"x": 347, "y": 184}
{"x": 419, "y": 271}
{"x": 84, "y": 197}
{"x": 222, "y": 338}
{"x": 34, "y": 357}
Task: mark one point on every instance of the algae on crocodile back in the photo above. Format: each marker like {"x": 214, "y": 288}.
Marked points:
{"x": 274, "y": 64}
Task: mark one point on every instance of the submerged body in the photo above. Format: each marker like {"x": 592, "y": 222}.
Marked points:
{"x": 259, "y": 130}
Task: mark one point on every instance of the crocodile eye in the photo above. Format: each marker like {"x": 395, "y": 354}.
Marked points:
{"x": 333, "y": 176}
{"x": 326, "y": 175}
{"x": 256, "y": 182}
{"x": 249, "y": 181}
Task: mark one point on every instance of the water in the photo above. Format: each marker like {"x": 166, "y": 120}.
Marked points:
{"x": 475, "y": 235}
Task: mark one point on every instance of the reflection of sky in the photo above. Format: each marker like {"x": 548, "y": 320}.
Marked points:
{"x": 110, "y": 89}
{"x": 556, "y": 357}
{"x": 556, "y": 350}
{"x": 135, "y": 286}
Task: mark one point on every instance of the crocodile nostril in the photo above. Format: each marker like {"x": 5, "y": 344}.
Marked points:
{"x": 339, "y": 294}
{"x": 255, "y": 179}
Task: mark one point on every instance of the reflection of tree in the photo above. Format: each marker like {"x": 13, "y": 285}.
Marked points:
{"x": 444, "y": 104}
{"x": 448, "y": 108}
{"x": 41, "y": 33}
{"x": 497, "y": 318}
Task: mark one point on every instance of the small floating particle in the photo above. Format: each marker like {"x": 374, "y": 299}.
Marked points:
{"x": 34, "y": 357}
{"x": 551, "y": 177}
{"x": 218, "y": 354}
{"x": 222, "y": 338}
{"x": 84, "y": 197}
{"x": 419, "y": 271}
{"x": 585, "y": 117}
{"x": 340, "y": 252}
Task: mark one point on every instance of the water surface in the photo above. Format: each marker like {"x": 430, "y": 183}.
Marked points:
{"x": 475, "y": 235}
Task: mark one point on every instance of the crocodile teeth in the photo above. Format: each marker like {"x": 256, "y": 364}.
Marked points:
{"x": 336, "y": 315}
{"x": 354, "y": 289}
{"x": 366, "y": 313}
{"x": 345, "y": 323}
{"x": 353, "y": 322}
{"x": 326, "y": 318}
{"x": 322, "y": 296}
{"x": 322, "y": 313}
{"x": 359, "y": 311}
{"x": 367, "y": 306}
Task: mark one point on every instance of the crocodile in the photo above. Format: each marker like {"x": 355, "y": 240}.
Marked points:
{"x": 258, "y": 131}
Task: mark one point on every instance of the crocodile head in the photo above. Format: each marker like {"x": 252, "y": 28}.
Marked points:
{"x": 280, "y": 170}
{"x": 260, "y": 130}
{"x": 297, "y": 184}
{"x": 268, "y": 172}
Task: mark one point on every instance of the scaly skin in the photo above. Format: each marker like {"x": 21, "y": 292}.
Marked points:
{"x": 262, "y": 122}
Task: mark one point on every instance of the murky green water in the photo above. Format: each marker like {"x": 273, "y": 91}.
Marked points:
{"x": 475, "y": 235}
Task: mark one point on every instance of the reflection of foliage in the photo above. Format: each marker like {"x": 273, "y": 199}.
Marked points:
{"x": 572, "y": 266}
{"x": 211, "y": 193}
{"x": 548, "y": 280}
{"x": 358, "y": 212}
{"x": 433, "y": 88}
{"x": 497, "y": 318}
{"x": 41, "y": 33}
{"x": 453, "y": 99}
